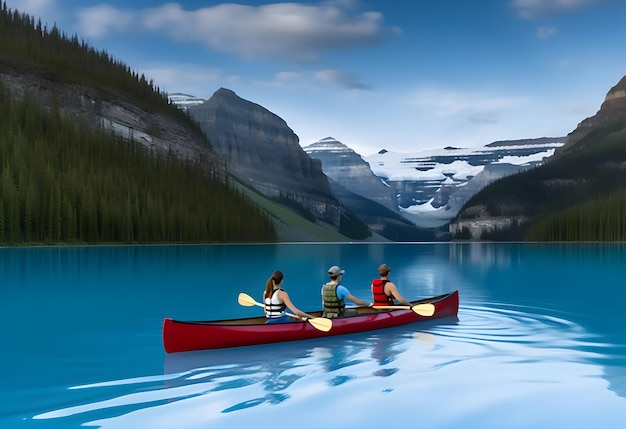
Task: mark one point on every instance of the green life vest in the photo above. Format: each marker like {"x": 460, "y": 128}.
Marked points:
{"x": 333, "y": 306}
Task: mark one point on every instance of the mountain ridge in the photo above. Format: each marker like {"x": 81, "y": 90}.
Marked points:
{"x": 350, "y": 170}
{"x": 436, "y": 182}
{"x": 433, "y": 184}
{"x": 576, "y": 194}
{"x": 262, "y": 150}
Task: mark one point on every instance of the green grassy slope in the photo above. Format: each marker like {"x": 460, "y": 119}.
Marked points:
{"x": 291, "y": 226}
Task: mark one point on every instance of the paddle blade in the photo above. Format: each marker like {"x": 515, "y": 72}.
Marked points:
{"x": 424, "y": 309}
{"x": 246, "y": 300}
{"x": 321, "y": 323}
{"x": 426, "y": 338}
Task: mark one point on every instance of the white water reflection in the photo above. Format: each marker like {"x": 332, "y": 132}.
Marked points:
{"x": 497, "y": 366}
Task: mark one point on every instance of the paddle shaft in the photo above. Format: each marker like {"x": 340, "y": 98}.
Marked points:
{"x": 258, "y": 304}
{"x": 392, "y": 307}
{"x": 320, "y": 323}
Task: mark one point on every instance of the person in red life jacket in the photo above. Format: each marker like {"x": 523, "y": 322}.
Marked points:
{"x": 334, "y": 295}
{"x": 384, "y": 291}
{"x": 276, "y": 301}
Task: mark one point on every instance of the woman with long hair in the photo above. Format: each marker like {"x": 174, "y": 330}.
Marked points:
{"x": 276, "y": 301}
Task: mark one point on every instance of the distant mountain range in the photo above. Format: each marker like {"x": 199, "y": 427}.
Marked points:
{"x": 579, "y": 194}
{"x": 350, "y": 170}
{"x": 427, "y": 188}
{"x": 363, "y": 193}
{"x": 456, "y": 186}
{"x": 539, "y": 189}
{"x": 263, "y": 152}
{"x": 432, "y": 185}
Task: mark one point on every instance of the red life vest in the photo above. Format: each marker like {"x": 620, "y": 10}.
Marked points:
{"x": 378, "y": 292}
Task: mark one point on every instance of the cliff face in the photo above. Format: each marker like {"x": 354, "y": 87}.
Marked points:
{"x": 263, "y": 151}
{"x": 613, "y": 107}
{"x": 154, "y": 131}
{"x": 349, "y": 170}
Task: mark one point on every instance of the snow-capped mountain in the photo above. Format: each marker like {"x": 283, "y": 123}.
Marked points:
{"x": 427, "y": 187}
{"x": 432, "y": 185}
{"x": 184, "y": 101}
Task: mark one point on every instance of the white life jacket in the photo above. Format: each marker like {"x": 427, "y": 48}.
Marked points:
{"x": 274, "y": 307}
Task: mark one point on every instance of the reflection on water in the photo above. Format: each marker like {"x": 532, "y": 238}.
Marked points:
{"x": 275, "y": 368}
{"x": 539, "y": 341}
{"x": 495, "y": 349}
{"x": 270, "y": 370}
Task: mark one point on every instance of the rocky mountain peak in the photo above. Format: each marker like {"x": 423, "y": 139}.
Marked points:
{"x": 225, "y": 92}
{"x": 347, "y": 168}
{"x": 613, "y": 107}
{"x": 224, "y": 96}
{"x": 328, "y": 144}
{"x": 263, "y": 151}
{"x": 616, "y": 97}
{"x": 228, "y": 113}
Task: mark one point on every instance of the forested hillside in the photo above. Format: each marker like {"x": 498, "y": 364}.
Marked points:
{"x": 579, "y": 196}
{"x": 62, "y": 181}
{"x": 30, "y": 47}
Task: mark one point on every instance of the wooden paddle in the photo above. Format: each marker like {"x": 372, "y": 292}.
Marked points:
{"x": 321, "y": 323}
{"x": 421, "y": 309}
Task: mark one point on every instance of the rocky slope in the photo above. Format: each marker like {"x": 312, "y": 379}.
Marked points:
{"x": 613, "y": 107}
{"x": 114, "y": 112}
{"x": 349, "y": 170}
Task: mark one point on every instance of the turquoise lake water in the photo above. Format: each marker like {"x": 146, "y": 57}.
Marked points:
{"x": 540, "y": 338}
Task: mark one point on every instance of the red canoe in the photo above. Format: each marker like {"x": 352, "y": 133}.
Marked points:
{"x": 181, "y": 336}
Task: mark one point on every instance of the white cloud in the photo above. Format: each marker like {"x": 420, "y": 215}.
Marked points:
{"x": 531, "y": 9}
{"x": 289, "y": 31}
{"x": 32, "y": 7}
{"x": 98, "y": 21}
{"x": 285, "y": 80}
{"x": 310, "y": 81}
{"x": 47, "y": 10}
{"x": 341, "y": 78}
{"x": 288, "y": 76}
{"x": 476, "y": 106}
{"x": 283, "y": 30}
{"x": 186, "y": 78}
{"x": 544, "y": 32}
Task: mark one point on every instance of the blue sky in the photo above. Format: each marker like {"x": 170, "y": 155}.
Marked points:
{"x": 400, "y": 75}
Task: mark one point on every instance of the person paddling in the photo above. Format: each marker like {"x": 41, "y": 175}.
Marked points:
{"x": 276, "y": 301}
{"x": 333, "y": 295}
{"x": 385, "y": 291}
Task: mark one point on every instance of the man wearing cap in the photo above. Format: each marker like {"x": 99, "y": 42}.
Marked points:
{"x": 384, "y": 291}
{"x": 334, "y": 294}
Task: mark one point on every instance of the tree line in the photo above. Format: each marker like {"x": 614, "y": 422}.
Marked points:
{"x": 579, "y": 196}
{"x": 26, "y": 43}
{"x": 602, "y": 219}
{"x": 64, "y": 182}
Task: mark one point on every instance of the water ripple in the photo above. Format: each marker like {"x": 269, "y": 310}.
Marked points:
{"x": 491, "y": 345}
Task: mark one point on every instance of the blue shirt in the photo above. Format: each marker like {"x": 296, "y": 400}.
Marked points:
{"x": 341, "y": 291}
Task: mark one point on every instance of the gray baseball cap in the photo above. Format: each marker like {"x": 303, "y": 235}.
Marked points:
{"x": 335, "y": 271}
